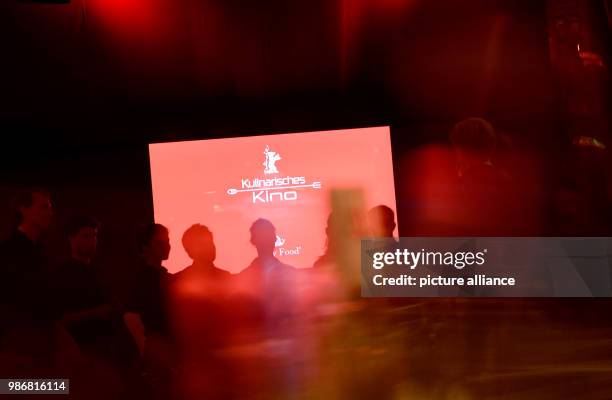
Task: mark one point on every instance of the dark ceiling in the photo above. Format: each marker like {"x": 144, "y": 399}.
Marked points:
{"x": 130, "y": 71}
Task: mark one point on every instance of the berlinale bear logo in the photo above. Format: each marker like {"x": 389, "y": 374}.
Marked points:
{"x": 270, "y": 164}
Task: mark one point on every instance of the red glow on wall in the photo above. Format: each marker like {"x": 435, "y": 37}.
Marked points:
{"x": 130, "y": 18}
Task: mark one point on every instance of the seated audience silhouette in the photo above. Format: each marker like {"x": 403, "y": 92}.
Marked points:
{"x": 153, "y": 280}
{"x": 25, "y": 267}
{"x": 265, "y": 266}
{"x": 201, "y": 310}
{"x": 268, "y": 279}
{"x": 151, "y": 301}
{"x": 86, "y": 307}
{"x": 381, "y": 222}
{"x": 26, "y": 303}
{"x": 199, "y": 245}
{"x": 89, "y": 312}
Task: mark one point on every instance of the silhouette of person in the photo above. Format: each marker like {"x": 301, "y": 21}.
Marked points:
{"x": 89, "y": 313}
{"x": 381, "y": 222}
{"x": 265, "y": 266}
{"x": 270, "y": 280}
{"x": 85, "y": 306}
{"x": 152, "y": 301}
{"x": 202, "y": 310}
{"x": 26, "y": 301}
{"x": 199, "y": 245}
{"x": 25, "y": 264}
{"x": 153, "y": 279}
{"x": 88, "y": 309}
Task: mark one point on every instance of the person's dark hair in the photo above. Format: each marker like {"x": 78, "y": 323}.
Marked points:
{"x": 384, "y": 211}
{"x": 75, "y": 224}
{"x": 474, "y": 134}
{"x": 24, "y": 198}
{"x": 192, "y": 232}
{"x": 146, "y": 233}
{"x": 262, "y": 224}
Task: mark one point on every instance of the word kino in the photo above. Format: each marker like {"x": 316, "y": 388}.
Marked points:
{"x": 274, "y": 189}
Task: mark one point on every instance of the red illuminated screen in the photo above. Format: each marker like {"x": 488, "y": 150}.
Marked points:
{"x": 226, "y": 184}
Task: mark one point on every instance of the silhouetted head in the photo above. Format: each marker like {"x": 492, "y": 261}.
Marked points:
{"x": 199, "y": 245}
{"x": 263, "y": 236}
{"x": 330, "y": 232}
{"x": 32, "y": 210}
{"x": 381, "y": 221}
{"x": 154, "y": 243}
{"x": 474, "y": 141}
{"x": 83, "y": 237}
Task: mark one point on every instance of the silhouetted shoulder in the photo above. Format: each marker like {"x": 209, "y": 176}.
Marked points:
{"x": 185, "y": 272}
{"x": 218, "y": 274}
{"x": 287, "y": 267}
{"x": 323, "y": 261}
{"x": 192, "y": 272}
{"x": 256, "y": 266}
{"x": 223, "y": 272}
{"x": 251, "y": 268}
